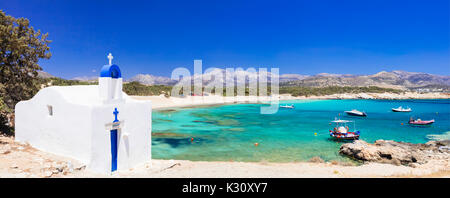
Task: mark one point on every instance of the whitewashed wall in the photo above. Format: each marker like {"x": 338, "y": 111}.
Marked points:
{"x": 77, "y": 128}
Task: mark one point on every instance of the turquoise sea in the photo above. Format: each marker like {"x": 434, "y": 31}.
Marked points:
{"x": 229, "y": 132}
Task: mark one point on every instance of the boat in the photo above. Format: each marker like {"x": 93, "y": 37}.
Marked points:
{"x": 401, "y": 109}
{"x": 342, "y": 132}
{"x": 287, "y": 106}
{"x": 355, "y": 112}
{"x": 420, "y": 122}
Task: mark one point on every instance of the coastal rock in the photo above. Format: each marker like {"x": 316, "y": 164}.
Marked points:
{"x": 316, "y": 159}
{"x": 399, "y": 153}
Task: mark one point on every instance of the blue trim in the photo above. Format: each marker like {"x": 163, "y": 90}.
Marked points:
{"x": 114, "y": 143}
{"x": 112, "y": 71}
{"x": 113, "y": 150}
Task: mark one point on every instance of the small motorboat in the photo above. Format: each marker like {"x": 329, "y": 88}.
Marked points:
{"x": 287, "y": 106}
{"x": 342, "y": 132}
{"x": 401, "y": 109}
{"x": 355, "y": 112}
{"x": 420, "y": 122}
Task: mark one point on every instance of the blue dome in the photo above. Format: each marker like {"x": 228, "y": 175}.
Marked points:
{"x": 112, "y": 71}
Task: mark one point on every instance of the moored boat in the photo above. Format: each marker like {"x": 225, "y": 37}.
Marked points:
{"x": 341, "y": 130}
{"x": 287, "y": 106}
{"x": 355, "y": 112}
{"x": 401, "y": 109}
{"x": 420, "y": 122}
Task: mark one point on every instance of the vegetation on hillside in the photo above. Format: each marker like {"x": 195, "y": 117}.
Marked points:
{"x": 138, "y": 89}
{"x": 135, "y": 88}
{"x": 316, "y": 91}
{"x": 54, "y": 81}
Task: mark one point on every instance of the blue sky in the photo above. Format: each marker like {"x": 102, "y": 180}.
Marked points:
{"x": 305, "y": 37}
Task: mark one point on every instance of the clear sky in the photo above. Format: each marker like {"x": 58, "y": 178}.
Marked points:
{"x": 305, "y": 37}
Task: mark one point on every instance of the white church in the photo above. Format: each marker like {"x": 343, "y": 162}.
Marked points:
{"x": 99, "y": 125}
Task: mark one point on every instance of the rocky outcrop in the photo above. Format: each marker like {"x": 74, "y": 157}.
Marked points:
{"x": 399, "y": 153}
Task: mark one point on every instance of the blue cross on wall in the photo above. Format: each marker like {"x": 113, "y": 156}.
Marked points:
{"x": 114, "y": 143}
{"x": 115, "y": 115}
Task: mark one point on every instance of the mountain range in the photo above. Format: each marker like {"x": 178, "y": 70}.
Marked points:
{"x": 148, "y": 79}
{"x": 394, "y": 79}
{"x": 43, "y": 74}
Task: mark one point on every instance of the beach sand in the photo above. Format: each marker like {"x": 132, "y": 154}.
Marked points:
{"x": 18, "y": 160}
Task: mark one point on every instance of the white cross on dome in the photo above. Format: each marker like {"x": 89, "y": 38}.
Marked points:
{"x": 110, "y": 57}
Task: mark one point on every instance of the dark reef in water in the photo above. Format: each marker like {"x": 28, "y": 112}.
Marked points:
{"x": 167, "y": 111}
{"x": 180, "y": 141}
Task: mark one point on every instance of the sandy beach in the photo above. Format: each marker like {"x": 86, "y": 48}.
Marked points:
{"x": 161, "y": 101}
{"x": 18, "y": 160}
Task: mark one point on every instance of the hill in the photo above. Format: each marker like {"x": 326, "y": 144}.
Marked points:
{"x": 395, "y": 79}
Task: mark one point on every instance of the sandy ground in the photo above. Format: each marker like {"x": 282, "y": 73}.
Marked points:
{"x": 18, "y": 160}
{"x": 164, "y": 102}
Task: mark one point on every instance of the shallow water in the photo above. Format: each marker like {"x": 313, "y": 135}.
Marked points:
{"x": 229, "y": 132}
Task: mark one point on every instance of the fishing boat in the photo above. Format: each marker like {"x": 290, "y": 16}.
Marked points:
{"x": 401, "y": 109}
{"x": 420, "y": 122}
{"x": 342, "y": 132}
{"x": 287, "y": 106}
{"x": 355, "y": 112}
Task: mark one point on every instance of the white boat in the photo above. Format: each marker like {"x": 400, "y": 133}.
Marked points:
{"x": 401, "y": 109}
{"x": 355, "y": 112}
{"x": 287, "y": 106}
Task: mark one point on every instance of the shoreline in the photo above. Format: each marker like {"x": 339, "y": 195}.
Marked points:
{"x": 23, "y": 161}
{"x": 162, "y": 102}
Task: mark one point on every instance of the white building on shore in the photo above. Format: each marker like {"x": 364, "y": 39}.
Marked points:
{"x": 99, "y": 125}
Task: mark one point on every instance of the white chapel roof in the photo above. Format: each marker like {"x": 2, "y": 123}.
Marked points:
{"x": 79, "y": 94}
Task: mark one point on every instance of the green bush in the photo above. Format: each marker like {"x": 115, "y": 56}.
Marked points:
{"x": 64, "y": 82}
{"x": 138, "y": 89}
{"x": 5, "y": 111}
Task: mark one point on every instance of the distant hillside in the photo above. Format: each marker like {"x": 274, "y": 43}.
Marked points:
{"x": 403, "y": 80}
{"x": 394, "y": 79}
{"x": 86, "y": 78}
{"x": 43, "y": 74}
{"x": 46, "y": 75}
{"x": 292, "y": 77}
{"x": 240, "y": 77}
{"x": 148, "y": 79}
